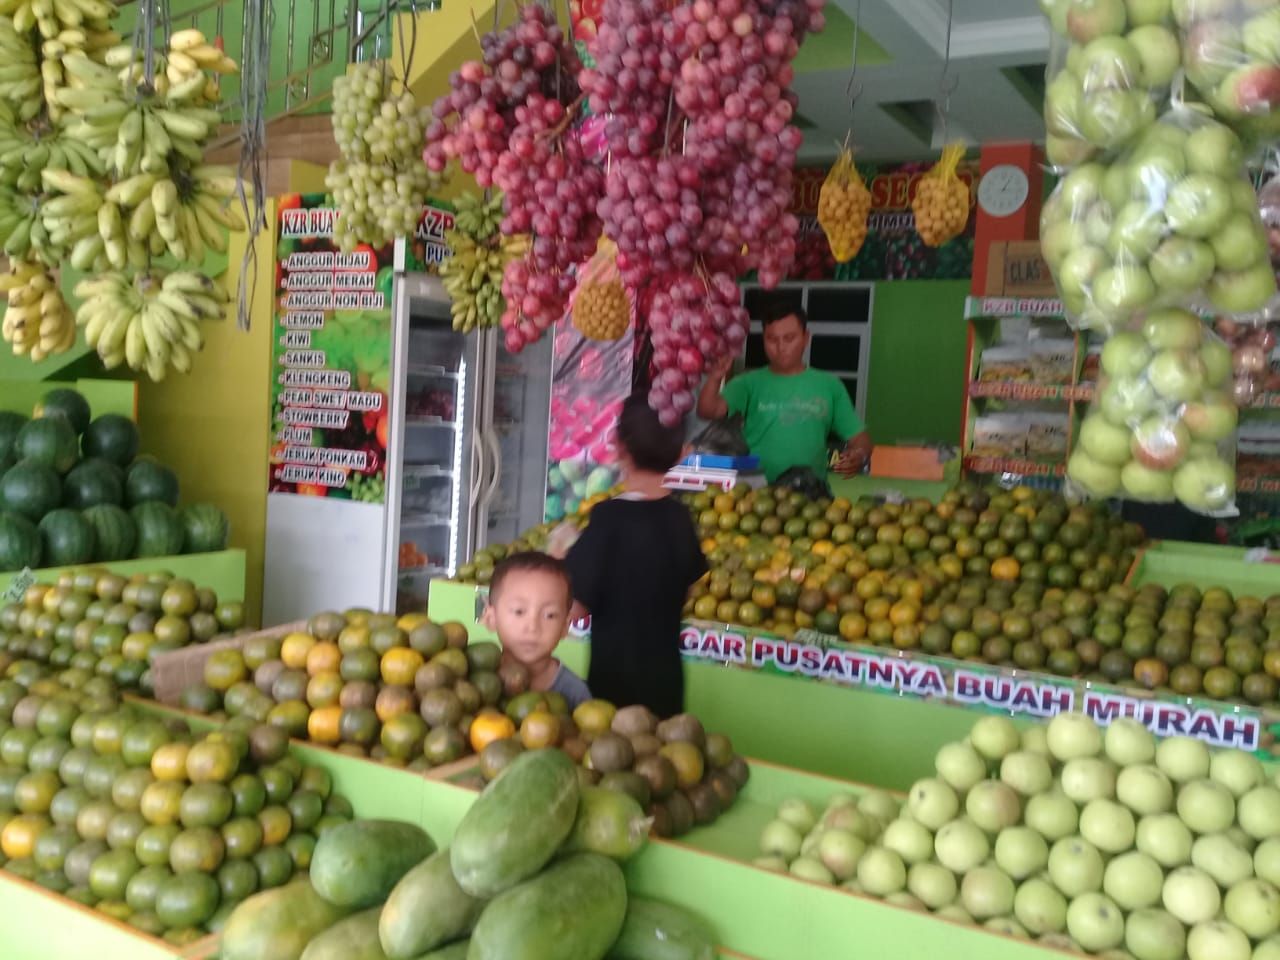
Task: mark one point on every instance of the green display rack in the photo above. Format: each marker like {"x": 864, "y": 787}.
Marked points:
{"x": 104, "y": 396}
{"x": 221, "y": 572}
{"x": 1205, "y": 566}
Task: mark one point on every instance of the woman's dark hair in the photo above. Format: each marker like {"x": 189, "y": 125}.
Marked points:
{"x": 649, "y": 444}
{"x": 781, "y": 312}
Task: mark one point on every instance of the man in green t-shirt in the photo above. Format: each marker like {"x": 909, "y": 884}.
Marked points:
{"x": 789, "y": 409}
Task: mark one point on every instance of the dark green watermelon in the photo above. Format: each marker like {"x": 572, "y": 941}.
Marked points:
{"x": 148, "y": 480}
{"x": 49, "y": 440}
{"x": 160, "y": 532}
{"x": 65, "y": 402}
{"x": 19, "y": 543}
{"x": 113, "y": 532}
{"x": 67, "y": 538}
{"x": 111, "y": 437}
{"x": 93, "y": 482}
{"x": 10, "y": 424}
{"x": 205, "y": 528}
{"x": 31, "y": 489}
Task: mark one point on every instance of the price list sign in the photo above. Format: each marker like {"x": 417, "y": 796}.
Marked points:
{"x": 331, "y": 359}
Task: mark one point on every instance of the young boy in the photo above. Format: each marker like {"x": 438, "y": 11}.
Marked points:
{"x": 529, "y": 604}
{"x": 632, "y": 569}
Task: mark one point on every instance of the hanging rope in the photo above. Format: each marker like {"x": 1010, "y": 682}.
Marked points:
{"x": 151, "y": 14}
{"x": 255, "y": 62}
{"x": 945, "y": 89}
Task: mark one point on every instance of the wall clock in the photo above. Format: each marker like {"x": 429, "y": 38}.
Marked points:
{"x": 1003, "y": 190}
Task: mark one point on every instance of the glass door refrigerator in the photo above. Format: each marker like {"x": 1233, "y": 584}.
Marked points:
{"x": 470, "y": 449}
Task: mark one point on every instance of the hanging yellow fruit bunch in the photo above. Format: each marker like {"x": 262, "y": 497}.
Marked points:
{"x": 601, "y": 307}
{"x": 941, "y": 204}
{"x": 844, "y": 203}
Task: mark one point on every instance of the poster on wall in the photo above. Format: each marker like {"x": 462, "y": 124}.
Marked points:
{"x": 893, "y": 250}
{"x": 330, "y": 358}
{"x": 590, "y": 380}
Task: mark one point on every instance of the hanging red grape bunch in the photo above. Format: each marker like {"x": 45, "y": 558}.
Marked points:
{"x": 699, "y": 108}
{"x": 507, "y": 121}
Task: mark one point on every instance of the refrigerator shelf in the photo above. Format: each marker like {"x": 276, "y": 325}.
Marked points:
{"x": 425, "y": 471}
{"x": 430, "y": 370}
{"x": 431, "y": 572}
{"x": 425, "y": 520}
{"x": 425, "y": 421}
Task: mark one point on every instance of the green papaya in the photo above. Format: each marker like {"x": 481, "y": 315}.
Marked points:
{"x": 454, "y": 951}
{"x": 609, "y": 823}
{"x": 573, "y": 910}
{"x": 654, "y": 930}
{"x": 355, "y": 938}
{"x": 356, "y": 864}
{"x": 517, "y": 824}
{"x": 427, "y": 908}
{"x": 278, "y": 924}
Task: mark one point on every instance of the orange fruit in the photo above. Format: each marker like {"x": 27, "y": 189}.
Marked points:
{"x": 18, "y": 839}
{"x": 1006, "y": 568}
{"x": 323, "y": 658}
{"x": 488, "y": 726}
{"x": 322, "y": 725}
{"x": 169, "y": 762}
{"x": 399, "y": 665}
{"x": 276, "y": 822}
{"x": 294, "y": 649}
{"x": 904, "y": 613}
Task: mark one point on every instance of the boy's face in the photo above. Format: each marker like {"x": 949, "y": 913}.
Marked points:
{"x": 530, "y": 614}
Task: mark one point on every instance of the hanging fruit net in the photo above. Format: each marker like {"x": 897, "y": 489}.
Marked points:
{"x": 844, "y": 203}
{"x": 601, "y": 308}
{"x": 941, "y": 203}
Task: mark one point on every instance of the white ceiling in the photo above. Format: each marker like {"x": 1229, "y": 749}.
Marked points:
{"x": 989, "y": 39}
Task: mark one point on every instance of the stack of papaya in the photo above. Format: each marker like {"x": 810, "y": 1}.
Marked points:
{"x": 137, "y": 817}
{"x": 533, "y": 873}
{"x": 112, "y": 625}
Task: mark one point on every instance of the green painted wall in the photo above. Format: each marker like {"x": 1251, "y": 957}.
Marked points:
{"x": 916, "y": 384}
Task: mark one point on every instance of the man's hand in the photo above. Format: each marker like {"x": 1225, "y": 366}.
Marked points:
{"x": 719, "y": 369}
{"x": 856, "y": 454}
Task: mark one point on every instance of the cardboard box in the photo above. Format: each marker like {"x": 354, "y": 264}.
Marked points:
{"x": 173, "y": 672}
{"x": 908, "y": 463}
{"x": 1016, "y": 269}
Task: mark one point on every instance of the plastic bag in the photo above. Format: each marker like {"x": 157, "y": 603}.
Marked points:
{"x": 601, "y": 307}
{"x": 723, "y": 438}
{"x": 1110, "y": 71}
{"x": 1231, "y": 55}
{"x": 941, "y": 203}
{"x": 844, "y": 203}
{"x": 1162, "y": 423}
{"x": 803, "y": 480}
{"x": 1173, "y": 222}
{"x": 1251, "y": 350}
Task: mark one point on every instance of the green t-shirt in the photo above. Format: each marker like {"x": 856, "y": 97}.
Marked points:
{"x": 787, "y": 419}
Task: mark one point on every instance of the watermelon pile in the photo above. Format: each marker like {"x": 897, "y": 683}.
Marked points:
{"x": 74, "y": 490}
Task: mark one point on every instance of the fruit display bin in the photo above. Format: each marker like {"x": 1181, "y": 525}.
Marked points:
{"x": 1168, "y": 564}
{"x": 38, "y": 925}
{"x": 760, "y": 915}
{"x": 222, "y": 572}
{"x": 104, "y": 396}
{"x": 887, "y": 730}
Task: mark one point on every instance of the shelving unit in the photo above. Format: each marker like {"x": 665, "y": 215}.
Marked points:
{"x": 985, "y": 317}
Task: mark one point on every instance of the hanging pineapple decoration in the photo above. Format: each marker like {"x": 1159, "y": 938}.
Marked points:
{"x": 601, "y": 308}
{"x": 844, "y": 204}
{"x": 941, "y": 203}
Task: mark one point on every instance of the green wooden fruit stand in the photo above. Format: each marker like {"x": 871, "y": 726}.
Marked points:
{"x": 222, "y": 572}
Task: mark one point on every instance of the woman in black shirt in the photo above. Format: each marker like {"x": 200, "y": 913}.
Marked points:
{"x": 632, "y": 569}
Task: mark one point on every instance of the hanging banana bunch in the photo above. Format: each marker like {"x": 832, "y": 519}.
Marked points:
{"x": 472, "y": 274}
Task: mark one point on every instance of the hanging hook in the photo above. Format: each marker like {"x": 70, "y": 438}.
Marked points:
{"x": 946, "y": 85}
{"x": 854, "y": 91}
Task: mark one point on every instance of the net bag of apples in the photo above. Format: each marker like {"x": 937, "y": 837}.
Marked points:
{"x": 844, "y": 203}
{"x": 1231, "y": 55}
{"x": 1111, "y": 66}
{"x": 1172, "y": 221}
{"x": 1162, "y": 424}
{"x": 941, "y": 203}
{"x": 601, "y": 307}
